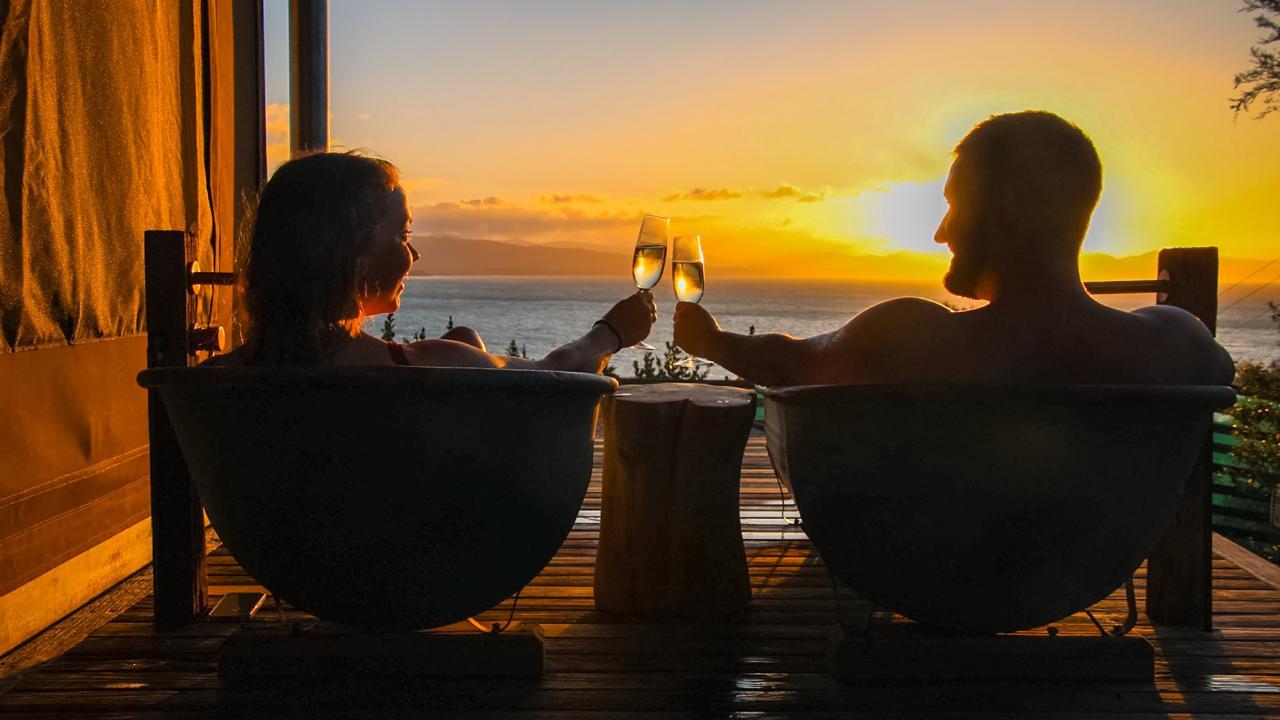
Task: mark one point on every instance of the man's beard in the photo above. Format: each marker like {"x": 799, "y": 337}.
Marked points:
{"x": 964, "y": 273}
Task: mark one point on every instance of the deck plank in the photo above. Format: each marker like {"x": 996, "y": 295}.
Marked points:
{"x": 599, "y": 666}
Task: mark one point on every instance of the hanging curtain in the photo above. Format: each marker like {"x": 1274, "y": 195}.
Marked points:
{"x": 115, "y": 118}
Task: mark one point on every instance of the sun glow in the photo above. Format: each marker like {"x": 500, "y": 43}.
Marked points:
{"x": 905, "y": 214}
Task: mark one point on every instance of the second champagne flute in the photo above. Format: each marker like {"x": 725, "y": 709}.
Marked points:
{"x": 650, "y": 256}
{"x": 688, "y": 278}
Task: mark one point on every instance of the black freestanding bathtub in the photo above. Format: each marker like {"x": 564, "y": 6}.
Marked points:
{"x": 986, "y": 509}
{"x": 387, "y": 498}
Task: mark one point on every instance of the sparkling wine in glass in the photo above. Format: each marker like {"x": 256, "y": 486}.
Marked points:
{"x": 650, "y": 256}
{"x": 688, "y": 277}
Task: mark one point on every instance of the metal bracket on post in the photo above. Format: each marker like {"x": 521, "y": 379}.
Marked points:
{"x": 177, "y": 518}
{"x": 1180, "y": 567}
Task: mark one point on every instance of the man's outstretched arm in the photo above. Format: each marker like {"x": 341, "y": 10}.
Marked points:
{"x": 771, "y": 359}
{"x": 893, "y": 341}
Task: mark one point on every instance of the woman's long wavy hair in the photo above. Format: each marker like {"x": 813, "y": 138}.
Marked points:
{"x": 312, "y": 229}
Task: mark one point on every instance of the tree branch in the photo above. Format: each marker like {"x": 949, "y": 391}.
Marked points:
{"x": 1261, "y": 83}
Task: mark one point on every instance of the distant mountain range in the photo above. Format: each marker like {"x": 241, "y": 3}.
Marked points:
{"x": 451, "y": 255}
{"x": 448, "y": 255}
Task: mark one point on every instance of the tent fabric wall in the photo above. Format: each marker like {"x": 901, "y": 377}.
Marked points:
{"x": 73, "y": 434}
{"x": 107, "y": 142}
{"x": 115, "y": 118}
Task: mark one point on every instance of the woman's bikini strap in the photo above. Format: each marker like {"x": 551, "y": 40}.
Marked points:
{"x": 397, "y": 353}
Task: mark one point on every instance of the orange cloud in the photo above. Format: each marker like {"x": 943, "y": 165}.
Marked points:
{"x": 789, "y": 191}
{"x": 558, "y": 199}
{"x": 497, "y": 218}
{"x": 277, "y": 127}
{"x": 490, "y": 201}
{"x": 707, "y": 194}
{"x": 278, "y": 134}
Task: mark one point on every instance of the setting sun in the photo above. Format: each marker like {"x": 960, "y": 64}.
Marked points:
{"x": 906, "y": 214}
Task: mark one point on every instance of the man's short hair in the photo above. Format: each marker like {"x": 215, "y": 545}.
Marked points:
{"x": 1048, "y": 165}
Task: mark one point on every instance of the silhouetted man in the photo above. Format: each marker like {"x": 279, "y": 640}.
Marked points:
{"x": 1021, "y": 191}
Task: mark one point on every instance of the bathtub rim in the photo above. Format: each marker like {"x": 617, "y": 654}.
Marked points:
{"x": 1214, "y": 397}
{"x": 545, "y": 383}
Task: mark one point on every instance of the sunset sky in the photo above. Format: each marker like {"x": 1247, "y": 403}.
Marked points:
{"x": 797, "y": 138}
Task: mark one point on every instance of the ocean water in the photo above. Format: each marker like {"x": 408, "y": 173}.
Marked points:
{"x": 541, "y": 313}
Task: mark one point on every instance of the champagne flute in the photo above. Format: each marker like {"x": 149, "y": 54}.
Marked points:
{"x": 688, "y": 278}
{"x": 650, "y": 256}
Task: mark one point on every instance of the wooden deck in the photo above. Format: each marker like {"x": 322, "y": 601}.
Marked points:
{"x": 598, "y": 666}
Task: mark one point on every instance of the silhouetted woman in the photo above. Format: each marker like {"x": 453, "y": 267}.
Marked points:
{"x": 330, "y": 246}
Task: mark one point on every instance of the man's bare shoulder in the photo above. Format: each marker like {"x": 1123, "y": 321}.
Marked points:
{"x": 1173, "y": 316}
{"x": 1189, "y": 341}
{"x": 917, "y": 307}
{"x": 904, "y": 314}
{"x": 1173, "y": 322}
{"x": 883, "y": 340}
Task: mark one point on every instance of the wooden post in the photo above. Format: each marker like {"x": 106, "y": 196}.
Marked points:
{"x": 1180, "y": 567}
{"x": 670, "y": 532}
{"x": 177, "y": 519}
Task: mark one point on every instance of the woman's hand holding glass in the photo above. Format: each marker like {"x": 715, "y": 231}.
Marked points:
{"x": 631, "y": 318}
{"x": 650, "y": 257}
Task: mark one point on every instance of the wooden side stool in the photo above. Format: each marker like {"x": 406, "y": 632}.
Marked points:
{"x": 670, "y": 533}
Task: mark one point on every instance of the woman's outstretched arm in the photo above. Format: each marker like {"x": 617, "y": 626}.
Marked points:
{"x": 627, "y": 322}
